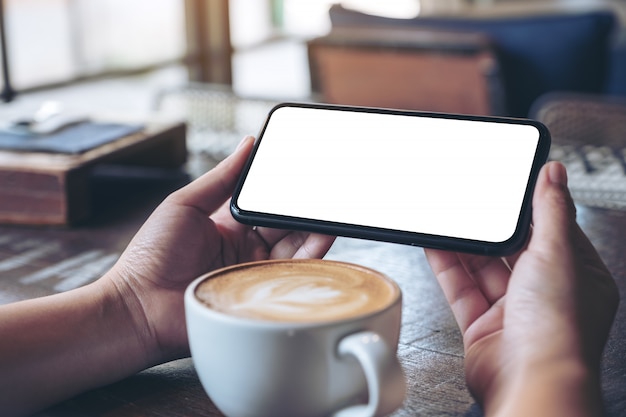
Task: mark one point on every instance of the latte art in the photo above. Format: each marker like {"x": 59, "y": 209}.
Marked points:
{"x": 297, "y": 291}
{"x": 299, "y": 295}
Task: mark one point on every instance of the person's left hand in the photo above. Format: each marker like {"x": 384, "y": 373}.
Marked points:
{"x": 190, "y": 233}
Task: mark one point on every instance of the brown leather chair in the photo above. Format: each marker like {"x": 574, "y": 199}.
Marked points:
{"x": 425, "y": 70}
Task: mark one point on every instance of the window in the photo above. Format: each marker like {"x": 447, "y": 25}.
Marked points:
{"x": 55, "y": 41}
{"x": 254, "y": 21}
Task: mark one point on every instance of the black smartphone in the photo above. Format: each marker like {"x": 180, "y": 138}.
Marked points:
{"x": 453, "y": 182}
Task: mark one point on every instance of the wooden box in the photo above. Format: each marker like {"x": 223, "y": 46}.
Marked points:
{"x": 53, "y": 189}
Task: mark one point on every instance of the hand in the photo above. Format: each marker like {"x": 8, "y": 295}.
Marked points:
{"x": 534, "y": 325}
{"x": 190, "y": 233}
{"x": 133, "y": 317}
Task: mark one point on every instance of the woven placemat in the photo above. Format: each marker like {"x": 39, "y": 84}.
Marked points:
{"x": 600, "y": 181}
{"x": 217, "y": 118}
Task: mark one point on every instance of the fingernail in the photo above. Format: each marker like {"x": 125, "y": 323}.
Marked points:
{"x": 557, "y": 174}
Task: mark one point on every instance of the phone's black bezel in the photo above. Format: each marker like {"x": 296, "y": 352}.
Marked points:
{"x": 511, "y": 245}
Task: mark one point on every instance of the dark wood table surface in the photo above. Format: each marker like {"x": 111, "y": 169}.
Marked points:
{"x": 36, "y": 261}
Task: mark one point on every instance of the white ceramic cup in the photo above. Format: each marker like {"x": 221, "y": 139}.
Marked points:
{"x": 272, "y": 367}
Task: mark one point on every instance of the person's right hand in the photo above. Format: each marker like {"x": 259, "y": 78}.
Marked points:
{"x": 534, "y": 325}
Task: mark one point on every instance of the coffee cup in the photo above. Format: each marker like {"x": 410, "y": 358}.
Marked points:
{"x": 297, "y": 338}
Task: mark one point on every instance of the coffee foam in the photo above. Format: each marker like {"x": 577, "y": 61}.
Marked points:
{"x": 297, "y": 291}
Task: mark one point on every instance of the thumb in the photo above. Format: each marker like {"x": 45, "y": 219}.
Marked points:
{"x": 209, "y": 192}
{"x": 554, "y": 212}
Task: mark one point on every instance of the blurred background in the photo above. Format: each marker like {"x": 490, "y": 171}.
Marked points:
{"x": 52, "y": 42}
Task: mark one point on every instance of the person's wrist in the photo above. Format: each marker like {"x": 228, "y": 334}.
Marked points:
{"x": 156, "y": 315}
{"x": 559, "y": 387}
{"x": 124, "y": 303}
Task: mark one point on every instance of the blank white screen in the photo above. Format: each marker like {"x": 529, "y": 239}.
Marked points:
{"x": 444, "y": 177}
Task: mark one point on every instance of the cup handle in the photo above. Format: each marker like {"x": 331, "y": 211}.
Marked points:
{"x": 385, "y": 380}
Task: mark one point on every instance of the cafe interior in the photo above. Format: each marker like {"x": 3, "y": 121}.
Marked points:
{"x": 126, "y": 101}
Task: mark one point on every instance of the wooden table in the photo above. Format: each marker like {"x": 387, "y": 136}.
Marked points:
{"x": 37, "y": 261}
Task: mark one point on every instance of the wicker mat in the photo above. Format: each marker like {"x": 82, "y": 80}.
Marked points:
{"x": 597, "y": 177}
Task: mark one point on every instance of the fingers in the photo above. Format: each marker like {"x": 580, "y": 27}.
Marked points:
{"x": 471, "y": 284}
{"x": 462, "y": 294}
{"x": 313, "y": 246}
{"x": 285, "y": 244}
{"x": 491, "y": 275}
{"x": 209, "y": 192}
